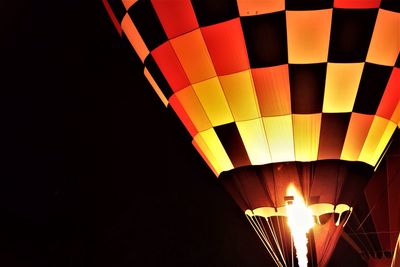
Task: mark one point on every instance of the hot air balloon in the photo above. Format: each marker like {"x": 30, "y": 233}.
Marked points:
{"x": 292, "y": 104}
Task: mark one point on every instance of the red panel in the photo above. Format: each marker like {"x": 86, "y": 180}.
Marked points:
{"x": 179, "y": 110}
{"x": 170, "y": 66}
{"x": 112, "y": 16}
{"x": 356, "y": 3}
{"x": 177, "y": 17}
{"x": 273, "y": 90}
{"x": 391, "y": 96}
{"x": 384, "y": 262}
{"x": 326, "y": 237}
{"x": 225, "y": 43}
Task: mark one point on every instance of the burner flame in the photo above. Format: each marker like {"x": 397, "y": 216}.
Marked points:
{"x": 300, "y": 221}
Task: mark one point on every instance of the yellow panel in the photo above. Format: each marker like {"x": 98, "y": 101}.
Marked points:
{"x": 134, "y": 37}
{"x": 308, "y": 35}
{"x": 254, "y": 139}
{"x": 279, "y": 132}
{"x": 190, "y": 102}
{"x": 386, "y": 136}
{"x": 194, "y": 57}
{"x": 378, "y": 137}
{"x": 257, "y": 7}
{"x": 213, "y": 100}
{"x": 385, "y": 42}
{"x": 155, "y": 87}
{"x": 306, "y": 129}
{"x": 211, "y": 141}
{"x": 341, "y": 86}
{"x": 240, "y": 93}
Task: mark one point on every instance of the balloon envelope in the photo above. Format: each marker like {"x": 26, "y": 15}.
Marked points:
{"x": 277, "y": 93}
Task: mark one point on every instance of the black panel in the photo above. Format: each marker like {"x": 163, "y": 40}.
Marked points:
{"x": 210, "y": 12}
{"x": 252, "y": 187}
{"x": 127, "y": 46}
{"x": 357, "y": 175}
{"x": 333, "y": 133}
{"x": 372, "y": 86}
{"x": 345, "y": 255}
{"x": 354, "y": 175}
{"x": 231, "y": 187}
{"x": 361, "y": 222}
{"x": 155, "y": 71}
{"x": 307, "y": 83}
{"x": 351, "y": 34}
{"x": 149, "y": 26}
{"x": 230, "y": 138}
{"x": 118, "y": 8}
{"x": 392, "y": 5}
{"x": 397, "y": 64}
{"x": 308, "y": 4}
{"x": 265, "y": 37}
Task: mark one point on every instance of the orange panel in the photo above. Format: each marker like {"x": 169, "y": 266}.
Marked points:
{"x": 128, "y": 3}
{"x": 170, "y": 66}
{"x": 226, "y": 45}
{"x": 396, "y": 115}
{"x": 308, "y": 35}
{"x": 239, "y": 92}
{"x": 356, "y": 3}
{"x": 183, "y": 116}
{"x": 155, "y": 87}
{"x": 385, "y": 42}
{"x": 213, "y": 100}
{"x": 193, "y": 55}
{"x": 177, "y": 17}
{"x": 134, "y": 37}
{"x": 357, "y": 132}
{"x": 257, "y": 7}
{"x": 391, "y": 96}
{"x": 189, "y": 101}
{"x": 273, "y": 90}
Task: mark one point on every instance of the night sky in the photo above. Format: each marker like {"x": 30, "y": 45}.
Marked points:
{"x": 94, "y": 170}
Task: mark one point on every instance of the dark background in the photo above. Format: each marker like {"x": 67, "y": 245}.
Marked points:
{"x": 94, "y": 171}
